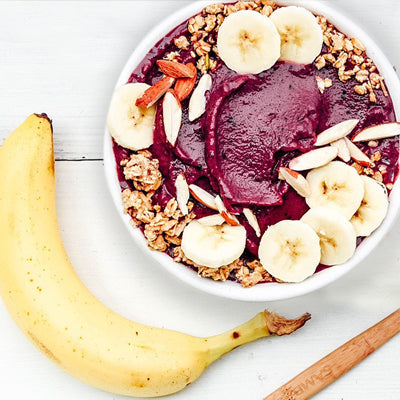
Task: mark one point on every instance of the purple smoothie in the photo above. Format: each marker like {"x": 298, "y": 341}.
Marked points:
{"x": 252, "y": 126}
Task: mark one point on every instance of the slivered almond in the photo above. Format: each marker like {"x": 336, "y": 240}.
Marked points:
{"x": 252, "y": 220}
{"x": 357, "y": 155}
{"x": 197, "y": 104}
{"x": 343, "y": 150}
{"x": 172, "y": 116}
{"x": 203, "y": 196}
{"x": 182, "y": 193}
{"x": 376, "y": 132}
{"x": 212, "y": 220}
{"x": 314, "y": 159}
{"x": 184, "y": 86}
{"x": 336, "y": 132}
{"x": 228, "y": 217}
{"x": 296, "y": 181}
{"x": 155, "y": 92}
{"x": 175, "y": 69}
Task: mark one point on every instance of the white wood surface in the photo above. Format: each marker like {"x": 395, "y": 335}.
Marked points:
{"x": 63, "y": 58}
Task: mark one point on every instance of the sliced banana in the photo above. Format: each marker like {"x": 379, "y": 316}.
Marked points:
{"x": 336, "y": 186}
{"x": 290, "y": 251}
{"x": 301, "y": 35}
{"x": 373, "y": 208}
{"x": 337, "y": 236}
{"x": 213, "y": 246}
{"x": 131, "y": 126}
{"x": 248, "y": 42}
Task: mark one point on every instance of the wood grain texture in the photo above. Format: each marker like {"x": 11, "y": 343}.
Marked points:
{"x": 64, "y": 58}
{"x": 327, "y": 370}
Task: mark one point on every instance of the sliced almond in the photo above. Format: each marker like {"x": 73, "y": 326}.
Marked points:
{"x": 203, "y": 196}
{"x": 357, "y": 155}
{"x": 172, "y": 115}
{"x": 252, "y": 220}
{"x": 314, "y": 159}
{"x": 228, "y": 217}
{"x": 175, "y": 69}
{"x": 182, "y": 193}
{"x": 343, "y": 150}
{"x": 336, "y": 132}
{"x": 197, "y": 104}
{"x": 155, "y": 92}
{"x": 296, "y": 181}
{"x": 378, "y": 132}
{"x": 184, "y": 87}
{"x": 212, "y": 220}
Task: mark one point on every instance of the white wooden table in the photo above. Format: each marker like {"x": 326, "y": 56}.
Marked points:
{"x": 63, "y": 58}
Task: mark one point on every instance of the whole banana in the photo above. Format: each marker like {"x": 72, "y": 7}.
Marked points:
{"x": 61, "y": 317}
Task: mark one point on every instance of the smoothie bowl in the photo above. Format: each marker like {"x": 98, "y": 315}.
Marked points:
{"x": 254, "y": 148}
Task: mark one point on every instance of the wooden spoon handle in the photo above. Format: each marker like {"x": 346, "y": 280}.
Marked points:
{"x": 340, "y": 361}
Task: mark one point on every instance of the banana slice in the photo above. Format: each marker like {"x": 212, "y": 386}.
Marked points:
{"x": 131, "y": 126}
{"x": 336, "y": 186}
{"x": 301, "y": 35}
{"x": 290, "y": 251}
{"x": 373, "y": 208}
{"x": 337, "y": 236}
{"x": 213, "y": 246}
{"x": 248, "y": 42}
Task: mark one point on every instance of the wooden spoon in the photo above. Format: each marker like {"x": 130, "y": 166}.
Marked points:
{"x": 333, "y": 366}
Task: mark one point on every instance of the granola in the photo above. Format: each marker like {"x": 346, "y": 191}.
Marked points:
{"x": 163, "y": 226}
{"x": 348, "y": 56}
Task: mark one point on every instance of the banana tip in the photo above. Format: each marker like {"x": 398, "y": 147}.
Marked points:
{"x": 279, "y": 325}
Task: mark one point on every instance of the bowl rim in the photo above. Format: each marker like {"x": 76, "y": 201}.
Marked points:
{"x": 268, "y": 291}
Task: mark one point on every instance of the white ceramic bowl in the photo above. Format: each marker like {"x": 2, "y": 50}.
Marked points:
{"x": 273, "y": 291}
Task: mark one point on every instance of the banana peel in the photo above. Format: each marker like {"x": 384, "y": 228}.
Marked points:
{"x": 61, "y": 317}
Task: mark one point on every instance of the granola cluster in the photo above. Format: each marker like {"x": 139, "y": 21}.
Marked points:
{"x": 204, "y": 27}
{"x": 248, "y": 274}
{"x": 378, "y": 174}
{"x": 163, "y": 228}
{"x": 348, "y": 56}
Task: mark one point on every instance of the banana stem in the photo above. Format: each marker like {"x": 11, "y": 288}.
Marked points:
{"x": 262, "y": 325}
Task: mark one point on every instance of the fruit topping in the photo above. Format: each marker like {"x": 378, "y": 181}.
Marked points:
{"x": 213, "y": 246}
{"x": 290, "y": 251}
{"x": 373, "y": 207}
{"x": 336, "y": 233}
{"x": 336, "y": 186}
{"x": 131, "y": 126}
{"x": 248, "y": 42}
{"x": 301, "y": 35}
